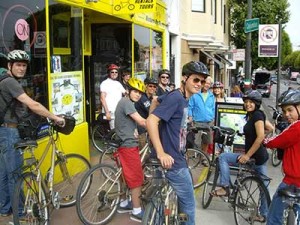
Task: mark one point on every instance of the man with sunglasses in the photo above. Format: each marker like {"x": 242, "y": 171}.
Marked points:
{"x": 167, "y": 129}
{"x": 143, "y": 105}
{"x": 163, "y": 82}
{"x": 111, "y": 91}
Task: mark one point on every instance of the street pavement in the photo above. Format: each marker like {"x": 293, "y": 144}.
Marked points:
{"x": 217, "y": 213}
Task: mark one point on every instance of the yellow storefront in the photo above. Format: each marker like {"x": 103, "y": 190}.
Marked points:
{"x": 71, "y": 42}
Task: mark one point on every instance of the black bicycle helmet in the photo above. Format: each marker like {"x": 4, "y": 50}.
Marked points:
{"x": 164, "y": 71}
{"x": 194, "y": 67}
{"x": 289, "y": 97}
{"x": 18, "y": 56}
{"x": 150, "y": 80}
{"x": 254, "y": 96}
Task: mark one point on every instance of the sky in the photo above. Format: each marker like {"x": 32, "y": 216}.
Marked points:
{"x": 292, "y": 27}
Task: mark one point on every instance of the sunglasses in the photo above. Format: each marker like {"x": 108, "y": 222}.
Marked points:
{"x": 164, "y": 77}
{"x": 114, "y": 72}
{"x": 197, "y": 80}
{"x": 151, "y": 86}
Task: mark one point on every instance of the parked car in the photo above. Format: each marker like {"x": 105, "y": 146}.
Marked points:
{"x": 262, "y": 82}
{"x": 294, "y": 75}
{"x": 273, "y": 78}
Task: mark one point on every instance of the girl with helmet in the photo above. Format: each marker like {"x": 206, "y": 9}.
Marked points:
{"x": 167, "y": 129}
{"x": 289, "y": 142}
{"x": 218, "y": 91}
{"x": 254, "y": 131}
{"x": 126, "y": 120}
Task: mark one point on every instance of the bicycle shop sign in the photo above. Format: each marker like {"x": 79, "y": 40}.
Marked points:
{"x": 134, "y": 6}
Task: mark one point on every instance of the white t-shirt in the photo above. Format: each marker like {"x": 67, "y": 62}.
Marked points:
{"x": 114, "y": 91}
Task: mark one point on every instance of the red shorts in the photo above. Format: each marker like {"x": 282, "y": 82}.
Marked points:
{"x": 132, "y": 166}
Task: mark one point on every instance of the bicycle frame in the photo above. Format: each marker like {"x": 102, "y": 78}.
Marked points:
{"x": 50, "y": 175}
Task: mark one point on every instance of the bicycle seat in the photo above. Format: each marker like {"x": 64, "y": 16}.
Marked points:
{"x": 26, "y": 143}
{"x": 290, "y": 191}
{"x": 153, "y": 162}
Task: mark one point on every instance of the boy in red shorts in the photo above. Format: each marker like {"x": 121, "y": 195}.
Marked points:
{"x": 126, "y": 121}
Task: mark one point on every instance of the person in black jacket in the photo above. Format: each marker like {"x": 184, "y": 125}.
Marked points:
{"x": 143, "y": 105}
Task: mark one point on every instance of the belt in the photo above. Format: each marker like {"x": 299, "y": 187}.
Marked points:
{"x": 9, "y": 125}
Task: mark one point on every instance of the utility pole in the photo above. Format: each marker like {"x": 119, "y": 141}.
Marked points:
{"x": 279, "y": 63}
{"x": 248, "y": 50}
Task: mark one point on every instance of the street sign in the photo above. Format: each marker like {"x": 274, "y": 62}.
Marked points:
{"x": 251, "y": 25}
{"x": 238, "y": 54}
{"x": 268, "y": 40}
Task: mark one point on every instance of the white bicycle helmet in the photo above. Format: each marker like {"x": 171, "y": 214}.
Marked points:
{"x": 18, "y": 56}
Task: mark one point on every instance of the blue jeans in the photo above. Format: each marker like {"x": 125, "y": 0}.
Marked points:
{"x": 275, "y": 216}
{"x": 11, "y": 161}
{"x": 226, "y": 159}
{"x": 181, "y": 181}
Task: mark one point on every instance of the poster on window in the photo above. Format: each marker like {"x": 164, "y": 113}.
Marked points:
{"x": 67, "y": 94}
{"x": 232, "y": 115}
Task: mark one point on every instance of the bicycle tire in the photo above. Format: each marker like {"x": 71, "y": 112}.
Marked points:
{"x": 210, "y": 184}
{"x": 275, "y": 161}
{"x": 34, "y": 210}
{"x": 107, "y": 157}
{"x": 291, "y": 217}
{"x": 68, "y": 173}
{"x": 195, "y": 159}
{"x": 100, "y": 137}
{"x": 153, "y": 212}
{"x": 99, "y": 204}
{"x": 247, "y": 199}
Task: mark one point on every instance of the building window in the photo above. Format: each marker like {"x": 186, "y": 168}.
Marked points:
{"x": 23, "y": 27}
{"x": 198, "y": 5}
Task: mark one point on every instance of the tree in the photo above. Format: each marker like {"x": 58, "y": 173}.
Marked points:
{"x": 268, "y": 12}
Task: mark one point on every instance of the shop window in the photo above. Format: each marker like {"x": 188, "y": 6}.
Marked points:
{"x": 66, "y": 78}
{"x": 23, "y": 27}
{"x": 66, "y": 38}
{"x": 141, "y": 51}
{"x": 156, "y": 56}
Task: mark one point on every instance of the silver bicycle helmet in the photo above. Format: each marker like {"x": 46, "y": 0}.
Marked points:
{"x": 289, "y": 97}
{"x": 254, "y": 96}
{"x": 18, "y": 56}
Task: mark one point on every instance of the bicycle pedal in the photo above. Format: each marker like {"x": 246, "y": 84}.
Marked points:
{"x": 68, "y": 197}
{"x": 182, "y": 217}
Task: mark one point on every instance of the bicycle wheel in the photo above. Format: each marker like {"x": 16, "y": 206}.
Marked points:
{"x": 68, "y": 172}
{"x": 30, "y": 201}
{"x": 101, "y": 134}
{"x": 154, "y": 212}
{"x": 99, "y": 203}
{"x": 171, "y": 208}
{"x": 291, "y": 217}
{"x": 210, "y": 184}
{"x": 274, "y": 158}
{"x": 195, "y": 159}
{"x": 107, "y": 158}
{"x": 251, "y": 196}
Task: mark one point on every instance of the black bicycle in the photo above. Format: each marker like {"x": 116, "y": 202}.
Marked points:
{"x": 102, "y": 135}
{"x": 248, "y": 191}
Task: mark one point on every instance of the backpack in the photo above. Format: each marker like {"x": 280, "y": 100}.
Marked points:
{"x": 3, "y": 111}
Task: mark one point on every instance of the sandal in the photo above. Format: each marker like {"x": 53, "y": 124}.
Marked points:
{"x": 257, "y": 218}
{"x": 222, "y": 192}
